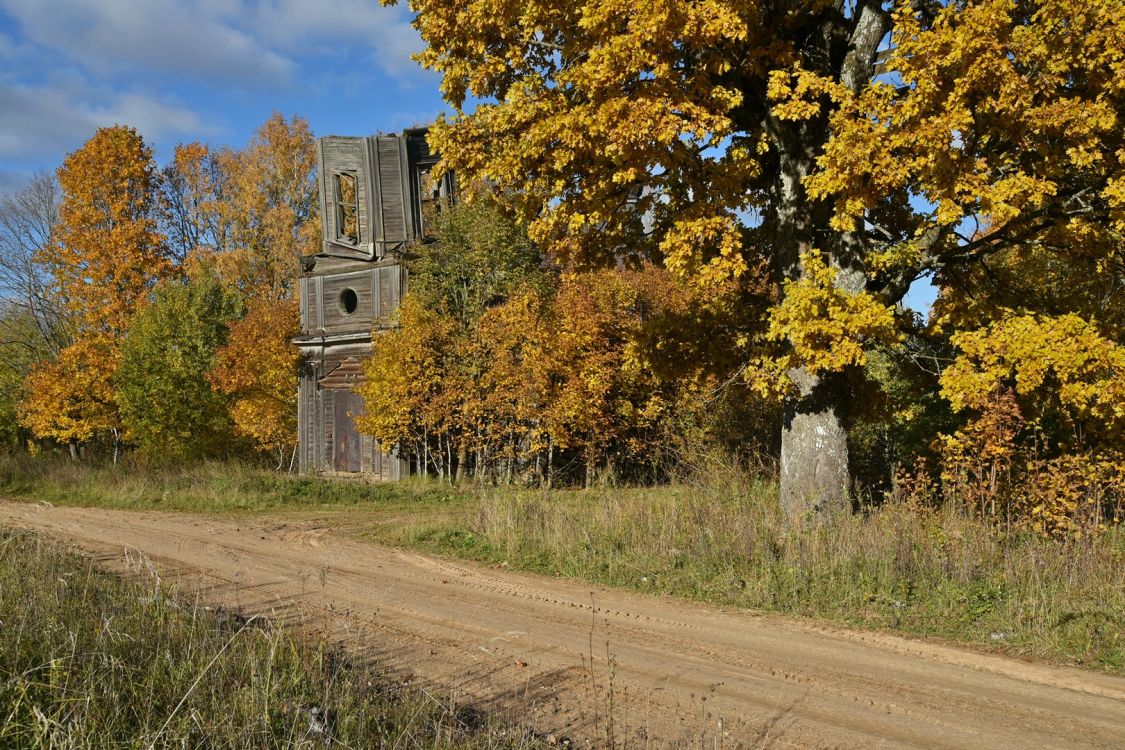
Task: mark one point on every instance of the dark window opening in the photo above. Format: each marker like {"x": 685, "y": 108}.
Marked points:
{"x": 347, "y": 207}
{"x": 349, "y": 301}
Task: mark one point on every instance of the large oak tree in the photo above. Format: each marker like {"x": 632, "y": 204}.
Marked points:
{"x": 850, "y": 146}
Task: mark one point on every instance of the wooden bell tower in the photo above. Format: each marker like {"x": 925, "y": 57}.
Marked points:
{"x": 373, "y": 196}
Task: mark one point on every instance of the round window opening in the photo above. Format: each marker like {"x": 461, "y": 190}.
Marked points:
{"x": 349, "y": 301}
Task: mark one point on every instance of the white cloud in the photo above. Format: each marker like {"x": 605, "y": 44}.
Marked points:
{"x": 162, "y": 36}
{"x": 247, "y": 42}
{"x": 38, "y": 120}
{"x": 386, "y": 33}
{"x": 153, "y": 35}
{"x": 68, "y": 67}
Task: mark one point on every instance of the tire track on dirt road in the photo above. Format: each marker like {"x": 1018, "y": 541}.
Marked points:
{"x": 558, "y": 654}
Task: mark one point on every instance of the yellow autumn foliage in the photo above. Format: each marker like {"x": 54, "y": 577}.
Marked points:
{"x": 828, "y": 327}
{"x": 1042, "y": 447}
{"x": 1063, "y": 361}
{"x": 104, "y": 258}
{"x": 1000, "y": 466}
{"x": 72, "y": 399}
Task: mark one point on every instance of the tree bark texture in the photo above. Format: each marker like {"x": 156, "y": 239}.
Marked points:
{"x": 814, "y": 448}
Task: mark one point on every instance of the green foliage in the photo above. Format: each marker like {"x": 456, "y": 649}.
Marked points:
{"x": 166, "y": 401}
{"x": 88, "y": 660}
{"x": 19, "y": 352}
{"x": 898, "y": 412}
{"x": 480, "y": 259}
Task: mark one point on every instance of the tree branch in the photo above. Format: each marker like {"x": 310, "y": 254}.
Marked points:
{"x": 870, "y": 24}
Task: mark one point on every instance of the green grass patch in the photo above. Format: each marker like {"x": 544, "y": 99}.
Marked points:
{"x": 206, "y": 487}
{"x": 90, "y": 660}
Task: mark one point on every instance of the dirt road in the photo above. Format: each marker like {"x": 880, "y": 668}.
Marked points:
{"x": 586, "y": 662}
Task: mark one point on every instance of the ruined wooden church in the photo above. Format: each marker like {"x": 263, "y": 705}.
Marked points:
{"x": 375, "y": 194}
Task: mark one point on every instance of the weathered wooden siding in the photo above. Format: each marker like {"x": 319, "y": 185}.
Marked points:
{"x": 336, "y": 319}
{"x": 307, "y": 405}
{"x": 391, "y": 190}
{"x": 379, "y": 291}
{"x": 391, "y": 281}
{"x": 352, "y": 155}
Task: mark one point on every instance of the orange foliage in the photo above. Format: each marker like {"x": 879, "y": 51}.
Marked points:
{"x": 258, "y": 368}
{"x": 106, "y": 253}
{"x": 545, "y": 373}
{"x": 1001, "y": 467}
{"x": 270, "y": 208}
{"x": 104, "y": 257}
{"x": 72, "y": 399}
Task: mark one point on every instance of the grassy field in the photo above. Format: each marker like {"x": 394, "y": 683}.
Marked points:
{"x": 900, "y": 568}
{"x": 88, "y": 660}
{"x": 209, "y": 487}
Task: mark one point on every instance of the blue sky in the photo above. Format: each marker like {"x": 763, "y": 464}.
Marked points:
{"x": 211, "y": 70}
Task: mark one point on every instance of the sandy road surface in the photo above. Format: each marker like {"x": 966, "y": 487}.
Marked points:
{"x": 559, "y": 653}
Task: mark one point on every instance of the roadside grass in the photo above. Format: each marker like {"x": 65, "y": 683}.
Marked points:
{"x": 902, "y": 567}
{"x": 206, "y": 487}
{"x": 90, "y": 660}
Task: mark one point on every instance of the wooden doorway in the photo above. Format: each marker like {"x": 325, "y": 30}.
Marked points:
{"x": 346, "y": 440}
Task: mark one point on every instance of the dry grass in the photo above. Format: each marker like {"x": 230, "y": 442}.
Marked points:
{"x": 203, "y": 487}
{"x": 90, "y": 661}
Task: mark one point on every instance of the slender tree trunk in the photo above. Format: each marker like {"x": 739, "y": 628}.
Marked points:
{"x": 439, "y": 459}
{"x": 449, "y": 457}
{"x": 550, "y": 462}
{"x": 72, "y": 446}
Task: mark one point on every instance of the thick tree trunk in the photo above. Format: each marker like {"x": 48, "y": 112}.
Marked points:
{"x": 814, "y": 449}
{"x": 815, "y": 478}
